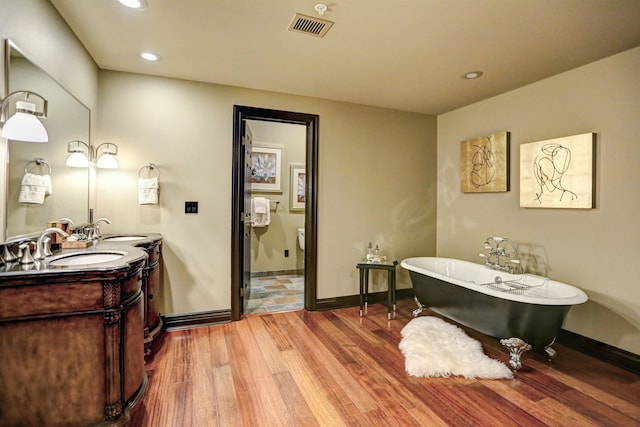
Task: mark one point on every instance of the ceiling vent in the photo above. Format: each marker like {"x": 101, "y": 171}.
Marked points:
{"x": 309, "y": 25}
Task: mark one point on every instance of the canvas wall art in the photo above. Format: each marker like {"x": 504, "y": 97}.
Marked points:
{"x": 298, "y": 187}
{"x": 558, "y": 173}
{"x": 484, "y": 164}
{"x": 266, "y": 165}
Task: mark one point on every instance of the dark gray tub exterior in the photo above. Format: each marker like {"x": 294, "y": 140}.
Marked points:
{"x": 500, "y": 318}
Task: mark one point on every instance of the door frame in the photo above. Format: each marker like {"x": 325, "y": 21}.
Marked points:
{"x": 311, "y": 121}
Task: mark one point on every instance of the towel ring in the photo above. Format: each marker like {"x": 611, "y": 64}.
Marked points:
{"x": 149, "y": 167}
{"x": 38, "y": 162}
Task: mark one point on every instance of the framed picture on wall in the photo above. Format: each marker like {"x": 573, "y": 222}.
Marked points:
{"x": 558, "y": 173}
{"x": 484, "y": 164}
{"x": 266, "y": 166}
{"x": 298, "y": 187}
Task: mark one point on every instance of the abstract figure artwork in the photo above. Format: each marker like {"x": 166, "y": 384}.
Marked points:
{"x": 558, "y": 173}
{"x": 484, "y": 164}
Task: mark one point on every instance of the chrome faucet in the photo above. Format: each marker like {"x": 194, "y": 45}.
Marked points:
{"x": 499, "y": 258}
{"x": 46, "y": 246}
{"x": 66, "y": 221}
{"x": 25, "y": 253}
{"x": 94, "y": 230}
{"x": 41, "y": 251}
{"x": 8, "y": 256}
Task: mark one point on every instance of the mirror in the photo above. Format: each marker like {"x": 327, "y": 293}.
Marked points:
{"x": 67, "y": 119}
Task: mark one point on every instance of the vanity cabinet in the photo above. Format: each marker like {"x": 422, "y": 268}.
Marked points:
{"x": 72, "y": 344}
{"x": 151, "y": 285}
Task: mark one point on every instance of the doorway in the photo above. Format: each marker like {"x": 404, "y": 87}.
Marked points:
{"x": 241, "y": 208}
{"x": 277, "y": 206}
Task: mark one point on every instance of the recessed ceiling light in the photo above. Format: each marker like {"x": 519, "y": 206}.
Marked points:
{"x": 134, "y": 4}
{"x": 150, "y": 56}
{"x": 472, "y": 75}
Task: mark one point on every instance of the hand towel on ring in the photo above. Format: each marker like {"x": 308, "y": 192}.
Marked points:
{"x": 260, "y": 212}
{"x": 34, "y": 188}
{"x": 148, "y": 191}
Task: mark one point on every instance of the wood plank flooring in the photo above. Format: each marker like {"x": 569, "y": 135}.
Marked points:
{"x": 334, "y": 369}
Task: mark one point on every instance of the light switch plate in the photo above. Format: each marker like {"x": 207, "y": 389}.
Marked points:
{"x": 191, "y": 207}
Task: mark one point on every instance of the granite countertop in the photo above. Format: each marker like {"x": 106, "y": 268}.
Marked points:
{"x": 132, "y": 251}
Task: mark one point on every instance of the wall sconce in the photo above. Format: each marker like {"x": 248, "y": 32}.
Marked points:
{"x": 24, "y": 125}
{"x": 107, "y": 159}
{"x": 83, "y": 154}
{"x": 78, "y": 158}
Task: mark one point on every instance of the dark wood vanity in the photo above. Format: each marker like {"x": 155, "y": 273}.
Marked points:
{"x": 151, "y": 283}
{"x": 73, "y": 339}
{"x": 151, "y": 286}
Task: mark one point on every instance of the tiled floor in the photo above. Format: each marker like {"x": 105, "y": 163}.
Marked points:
{"x": 275, "y": 293}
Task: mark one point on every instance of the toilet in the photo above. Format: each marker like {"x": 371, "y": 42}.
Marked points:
{"x": 301, "y": 238}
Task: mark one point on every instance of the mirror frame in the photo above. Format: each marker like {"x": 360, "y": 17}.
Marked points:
{"x": 9, "y": 47}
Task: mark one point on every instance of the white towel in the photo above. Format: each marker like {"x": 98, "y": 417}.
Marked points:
{"x": 34, "y": 188}
{"x": 148, "y": 191}
{"x": 260, "y": 212}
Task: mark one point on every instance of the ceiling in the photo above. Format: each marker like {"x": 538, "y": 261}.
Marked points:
{"x": 402, "y": 54}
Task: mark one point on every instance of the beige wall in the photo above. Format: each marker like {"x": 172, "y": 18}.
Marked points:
{"x": 596, "y": 250}
{"x": 268, "y": 243}
{"x": 376, "y": 181}
{"x": 38, "y": 30}
{"x": 43, "y": 36}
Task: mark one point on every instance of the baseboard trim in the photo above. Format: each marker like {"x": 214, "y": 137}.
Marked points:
{"x": 175, "y": 322}
{"x": 354, "y": 300}
{"x": 599, "y": 350}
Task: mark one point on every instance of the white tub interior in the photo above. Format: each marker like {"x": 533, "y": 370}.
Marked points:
{"x": 527, "y": 288}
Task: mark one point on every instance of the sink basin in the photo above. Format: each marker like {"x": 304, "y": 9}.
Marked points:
{"x": 123, "y": 238}
{"x": 85, "y": 258}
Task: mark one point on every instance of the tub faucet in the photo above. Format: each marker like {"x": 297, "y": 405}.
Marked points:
{"x": 499, "y": 258}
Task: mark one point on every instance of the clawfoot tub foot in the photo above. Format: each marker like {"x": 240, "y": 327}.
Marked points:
{"x": 551, "y": 353}
{"x": 420, "y": 308}
{"x": 516, "y": 347}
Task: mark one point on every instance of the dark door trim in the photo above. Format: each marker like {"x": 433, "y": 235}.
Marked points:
{"x": 311, "y": 121}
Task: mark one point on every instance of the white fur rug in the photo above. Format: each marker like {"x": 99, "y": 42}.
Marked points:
{"x": 435, "y": 348}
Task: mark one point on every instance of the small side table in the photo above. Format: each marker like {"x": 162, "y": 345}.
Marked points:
{"x": 390, "y": 267}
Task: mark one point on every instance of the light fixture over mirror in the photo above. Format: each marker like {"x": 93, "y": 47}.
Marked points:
{"x": 83, "y": 154}
{"x": 24, "y": 124}
{"x": 107, "y": 159}
{"x": 78, "y": 157}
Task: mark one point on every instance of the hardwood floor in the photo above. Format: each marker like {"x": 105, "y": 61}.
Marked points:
{"x": 333, "y": 369}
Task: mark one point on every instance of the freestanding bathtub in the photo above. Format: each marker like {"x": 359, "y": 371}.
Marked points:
{"x": 496, "y": 303}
